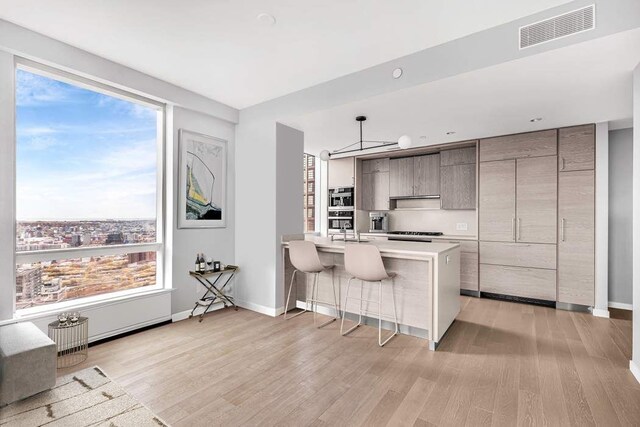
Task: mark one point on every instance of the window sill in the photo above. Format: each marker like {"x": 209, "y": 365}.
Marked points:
{"x": 91, "y": 302}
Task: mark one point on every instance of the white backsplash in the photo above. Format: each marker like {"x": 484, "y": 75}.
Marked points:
{"x": 434, "y": 220}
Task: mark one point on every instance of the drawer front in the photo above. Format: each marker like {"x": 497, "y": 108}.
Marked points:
{"x": 469, "y": 271}
{"x": 531, "y": 255}
{"x": 517, "y": 281}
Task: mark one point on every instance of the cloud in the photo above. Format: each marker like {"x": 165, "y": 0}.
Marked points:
{"x": 39, "y": 143}
{"x": 36, "y": 130}
{"x": 34, "y": 90}
{"x": 127, "y": 108}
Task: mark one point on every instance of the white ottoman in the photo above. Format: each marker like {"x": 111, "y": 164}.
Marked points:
{"x": 27, "y": 362}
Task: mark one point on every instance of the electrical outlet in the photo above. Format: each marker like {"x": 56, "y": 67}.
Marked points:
{"x": 462, "y": 226}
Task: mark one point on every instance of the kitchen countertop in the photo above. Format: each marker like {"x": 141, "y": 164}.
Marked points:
{"x": 396, "y": 247}
{"x": 443, "y": 237}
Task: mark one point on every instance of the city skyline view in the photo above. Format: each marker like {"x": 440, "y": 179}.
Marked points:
{"x": 82, "y": 155}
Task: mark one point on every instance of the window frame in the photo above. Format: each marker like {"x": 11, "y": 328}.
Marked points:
{"x": 69, "y": 253}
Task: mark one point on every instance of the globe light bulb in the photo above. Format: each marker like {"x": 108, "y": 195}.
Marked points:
{"x": 325, "y": 155}
{"x": 404, "y": 141}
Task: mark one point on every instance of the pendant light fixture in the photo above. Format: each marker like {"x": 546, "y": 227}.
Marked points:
{"x": 403, "y": 142}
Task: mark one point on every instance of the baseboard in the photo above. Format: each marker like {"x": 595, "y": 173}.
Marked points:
{"x": 262, "y": 309}
{"x": 183, "y": 315}
{"x": 600, "y": 312}
{"x": 620, "y": 305}
{"x": 635, "y": 370}
{"x": 128, "y": 329}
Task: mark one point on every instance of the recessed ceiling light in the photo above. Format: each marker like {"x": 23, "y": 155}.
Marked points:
{"x": 451, "y": 132}
{"x": 397, "y": 73}
{"x": 424, "y": 137}
{"x": 536, "y": 119}
{"x": 266, "y": 19}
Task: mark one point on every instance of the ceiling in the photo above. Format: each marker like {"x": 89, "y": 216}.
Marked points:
{"x": 583, "y": 83}
{"x": 219, "y": 49}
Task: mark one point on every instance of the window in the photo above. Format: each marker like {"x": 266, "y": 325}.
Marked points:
{"x": 309, "y": 163}
{"x": 88, "y": 190}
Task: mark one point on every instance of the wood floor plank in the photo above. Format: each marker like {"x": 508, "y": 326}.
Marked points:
{"x": 500, "y": 363}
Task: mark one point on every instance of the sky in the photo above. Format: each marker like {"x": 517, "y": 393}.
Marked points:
{"x": 82, "y": 154}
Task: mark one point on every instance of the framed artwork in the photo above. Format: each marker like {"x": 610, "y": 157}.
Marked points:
{"x": 202, "y": 199}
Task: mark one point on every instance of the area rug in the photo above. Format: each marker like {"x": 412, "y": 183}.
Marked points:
{"x": 84, "y": 398}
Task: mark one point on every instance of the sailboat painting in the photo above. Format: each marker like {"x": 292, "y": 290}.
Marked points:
{"x": 203, "y": 181}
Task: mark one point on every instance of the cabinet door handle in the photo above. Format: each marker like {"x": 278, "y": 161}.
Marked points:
{"x": 562, "y": 229}
{"x": 518, "y": 233}
{"x": 513, "y": 228}
{"x": 562, "y": 166}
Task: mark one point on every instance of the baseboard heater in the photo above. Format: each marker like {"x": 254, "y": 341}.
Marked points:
{"x": 523, "y": 300}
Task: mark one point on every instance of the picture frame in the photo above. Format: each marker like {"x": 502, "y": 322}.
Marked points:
{"x": 202, "y": 195}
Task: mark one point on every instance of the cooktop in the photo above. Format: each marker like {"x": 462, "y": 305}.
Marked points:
{"x": 417, "y": 233}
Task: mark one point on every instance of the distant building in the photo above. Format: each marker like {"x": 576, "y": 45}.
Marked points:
{"x": 52, "y": 291}
{"x": 76, "y": 240}
{"x": 115, "y": 239}
{"x": 86, "y": 239}
{"x": 141, "y": 257}
{"x": 28, "y": 282}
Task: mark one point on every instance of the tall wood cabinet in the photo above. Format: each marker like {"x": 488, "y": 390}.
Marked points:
{"x": 576, "y": 212}
{"x": 537, "y": 215}
{"x": 518, "y": 215}
{"x": 518, "y": 199}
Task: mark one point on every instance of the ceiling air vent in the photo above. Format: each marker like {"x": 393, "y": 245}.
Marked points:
{"x": 557, "y": 27}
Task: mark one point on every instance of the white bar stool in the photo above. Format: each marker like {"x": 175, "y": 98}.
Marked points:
{"x": 364, "y": 262}
{"x": 305, "y": 259}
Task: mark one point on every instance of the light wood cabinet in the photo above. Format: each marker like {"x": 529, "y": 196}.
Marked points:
{"x": 576, "y": 148}
{"x": 576, "y": 245}
{"x": 401, "y": 177}
{"x": 536, "y": 199}
{"x": 458, "y": 186}
{"x": 497, "y": 201}
{"x": 375, "y": 191}
{"x": 375, "y": 165}
{"x": 532, "y": 144}
{"x": 518, "y": 200}
{"x": 458, "y": 156}
{"x": 533, "y": 255}
{"x": 469, "y": 271}
{"x": 523, "y": 282}
{"x": 426, "y": 175}
{"x": 341, "y": 172}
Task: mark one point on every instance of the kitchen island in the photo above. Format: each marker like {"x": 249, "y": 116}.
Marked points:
{"x": 426, "y": 286}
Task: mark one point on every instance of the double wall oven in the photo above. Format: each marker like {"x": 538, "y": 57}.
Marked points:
{"x": 341, "y": 209}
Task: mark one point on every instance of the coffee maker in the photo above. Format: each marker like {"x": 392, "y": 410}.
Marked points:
{"x": 378, "y": 222}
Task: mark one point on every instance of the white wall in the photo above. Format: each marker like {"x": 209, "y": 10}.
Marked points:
{"x": 185, "y": 110}
{"x": 635, "y": 363}
{"x": 7, "y": 187}
{"x": 217, "y": 243}
{"x": 256, "y": 215}
{"x": 620, "y": 217}
{"x": 268, "y": 204}
{"x": 601, "y": 300}
{"x": 289, "y": 194}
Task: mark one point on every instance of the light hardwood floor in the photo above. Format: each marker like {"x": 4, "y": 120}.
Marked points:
{"x": 501, "y": 363}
